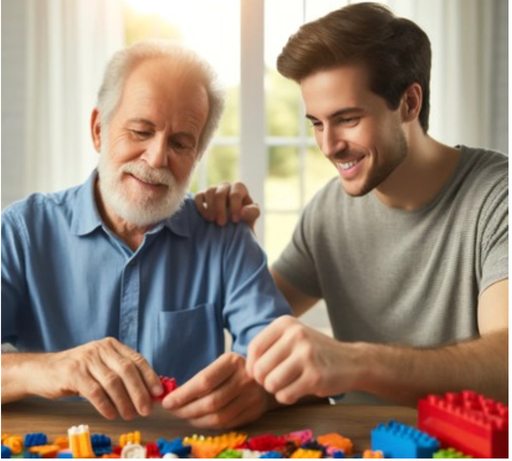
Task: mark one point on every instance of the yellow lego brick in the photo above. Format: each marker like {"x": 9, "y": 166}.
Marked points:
{"x": 373, "y": 454}
{"x": 15, "y": 443}
{"x": 130, "y": 437}
{"x": 303, "y": 453}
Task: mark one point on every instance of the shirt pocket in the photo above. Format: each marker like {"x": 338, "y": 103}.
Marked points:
{"x": 187, "y": 340}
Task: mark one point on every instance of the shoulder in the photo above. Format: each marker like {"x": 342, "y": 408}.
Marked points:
{"x": 330, "y": 194}
{"x": 201, "y": 229}
{"x": 38, "y": 208}
{"x": 486, "y": 166}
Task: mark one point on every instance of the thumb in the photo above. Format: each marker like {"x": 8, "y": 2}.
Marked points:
{"x": 250, "y": 214}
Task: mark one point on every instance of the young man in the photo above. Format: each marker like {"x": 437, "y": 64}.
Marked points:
{"x": 108, "y": 284}
{"x": 408, "y": 248}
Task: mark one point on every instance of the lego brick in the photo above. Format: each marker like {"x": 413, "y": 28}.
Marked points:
{"x": 210, "y": 447}
{"x": 304, "y": 453}
{"x": 397, "y": 440}
{"x": 450, "y": 453}
{"x": 6, "y": 452}
{"x": 466, "y": 421}
{"x": 337, "y": 441}
{"x": 373, "y": 454}
{"x": 168, "y": 384}
{"x": 14, "y": 443}
{"x": 266, "y": 442}
{"x": 174, "y": 446}
{"x": 34, "y": 439}
{"x": 80, "y": 441}
{"x": 129, "y": 437}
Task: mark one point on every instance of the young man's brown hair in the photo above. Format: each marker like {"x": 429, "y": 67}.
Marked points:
{"x": 395, "y": 51}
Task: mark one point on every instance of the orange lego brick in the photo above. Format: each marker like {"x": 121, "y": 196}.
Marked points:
{"x": 210, "y": 447}
{"x": 336, "y": 440}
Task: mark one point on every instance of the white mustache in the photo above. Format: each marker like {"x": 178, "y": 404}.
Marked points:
{"x": 148, "y": 174}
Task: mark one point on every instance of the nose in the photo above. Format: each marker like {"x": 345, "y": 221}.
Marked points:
{"x": 331, "y": 142}
{"x": 157, "y": 153}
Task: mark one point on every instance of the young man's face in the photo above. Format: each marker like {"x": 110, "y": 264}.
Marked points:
{"x": 354, "y": 127}
{"x": 152, "y": 143}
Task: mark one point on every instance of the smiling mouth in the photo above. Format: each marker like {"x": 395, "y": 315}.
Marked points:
{"x": 347, "y": 165}
{"x": 147, "y": 183}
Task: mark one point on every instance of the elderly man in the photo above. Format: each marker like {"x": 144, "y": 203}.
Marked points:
{"x": 108, "y": 284}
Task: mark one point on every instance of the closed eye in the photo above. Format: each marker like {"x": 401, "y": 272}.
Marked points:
{"x": 141, "y": 135}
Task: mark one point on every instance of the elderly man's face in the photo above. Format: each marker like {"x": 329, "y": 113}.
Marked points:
{"x": 151, "y": 145}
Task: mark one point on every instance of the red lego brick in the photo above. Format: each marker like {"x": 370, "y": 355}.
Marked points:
{"x": 467, "y": 421}
{"x": 266, "y": 442}
{"x": 169, "y": 384}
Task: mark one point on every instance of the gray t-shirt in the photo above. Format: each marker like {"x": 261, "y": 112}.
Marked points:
{"x": 410, "y": 278}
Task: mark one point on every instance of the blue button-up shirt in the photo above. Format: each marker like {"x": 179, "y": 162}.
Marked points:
{"x": 68, "y": 279}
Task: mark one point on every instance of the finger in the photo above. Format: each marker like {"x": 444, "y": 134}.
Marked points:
{"x": 239, "y": 411}
{"x": 89, "y": 388}
{"x": 204, "y": 382}
{"x": 250, "y": 214}
{"x": 215, "y": 401}
{"x": 149, "y": 376}
{"x": 265, "y": 339}
{"x": 221, "y": 204}
{"x": 282, "y": 375}
{"x": 209, "y": 197}
{"x": 200, "y": 202}
{"x": 295, "y": 389}
{"x": 126, "y": 375}
{"x": 114, "y": 387}
{"x": 239, "y": 196}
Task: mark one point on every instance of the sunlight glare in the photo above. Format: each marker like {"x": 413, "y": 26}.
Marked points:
{"x": 210, "y": 27}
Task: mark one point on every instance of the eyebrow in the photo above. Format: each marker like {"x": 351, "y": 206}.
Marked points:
{"x": 338, "y": 113}
{"x": 141, "y": 120}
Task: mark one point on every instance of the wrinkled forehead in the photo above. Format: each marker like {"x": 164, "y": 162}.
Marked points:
{"x": 161, "y": 85}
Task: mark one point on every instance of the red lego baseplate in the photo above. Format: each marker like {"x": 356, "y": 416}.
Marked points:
{"x": 467, "y": 421}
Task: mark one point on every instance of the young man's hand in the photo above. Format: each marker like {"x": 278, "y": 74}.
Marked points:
{"x": 291, "y": 360}
{"x": 221, "y": 396}
{"x": 114, "y": 378}
{"x": 227, "y": 202}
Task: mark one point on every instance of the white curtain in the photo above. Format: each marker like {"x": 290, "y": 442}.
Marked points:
{"x": 469, "y": 82}
{"x": 55, "y": 54}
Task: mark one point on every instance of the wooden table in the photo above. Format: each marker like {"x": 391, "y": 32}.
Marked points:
{"x": 55, "y": 417}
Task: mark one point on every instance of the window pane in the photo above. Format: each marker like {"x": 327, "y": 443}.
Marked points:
{"x": 282, "y": 191}
{"x": 278, "y": 232}
{"x": 318, "y": 171}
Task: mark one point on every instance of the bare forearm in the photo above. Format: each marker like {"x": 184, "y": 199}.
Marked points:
{"x": 404, "y": 375}
{"x": 19, "y": 373}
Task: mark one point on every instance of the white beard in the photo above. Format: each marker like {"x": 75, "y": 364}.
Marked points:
{"x": 141, "y": 211}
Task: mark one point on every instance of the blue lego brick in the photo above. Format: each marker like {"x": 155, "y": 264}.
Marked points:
{"x": 65, "y": 454}
{"x": 6, "y": 452}
{"x": 397, "y": 440}
{"x": 34, "y": 439}
{"x": 173, "y": 446}
{"x": 271, "y": 454}
{"x": 101, "y": 444}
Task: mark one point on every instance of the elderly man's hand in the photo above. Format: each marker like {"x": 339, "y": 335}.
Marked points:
{"x": 227, "y": 201}
{"x": 221, "y": 396}
{"x": 114, "y": 378}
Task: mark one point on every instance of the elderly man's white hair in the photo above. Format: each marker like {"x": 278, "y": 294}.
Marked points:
{"x": 187, "y": 61}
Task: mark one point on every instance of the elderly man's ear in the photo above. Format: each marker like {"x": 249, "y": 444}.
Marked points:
{"x": 96, "y": 129}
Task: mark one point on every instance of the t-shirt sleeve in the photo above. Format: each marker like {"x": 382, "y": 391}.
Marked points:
{"x": 493, "y": 265}
{"x": 252, "y": 300}
{"x": 297, "y": 262}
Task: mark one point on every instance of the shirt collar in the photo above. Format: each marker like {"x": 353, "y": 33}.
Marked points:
{"x": 86, "y": 217}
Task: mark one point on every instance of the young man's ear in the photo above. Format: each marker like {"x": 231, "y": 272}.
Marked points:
{"x": 412, "y": 100}
{"x": 96, "y": 129}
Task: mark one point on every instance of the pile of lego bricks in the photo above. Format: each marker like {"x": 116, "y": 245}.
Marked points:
{"x": 455, "y": 425}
